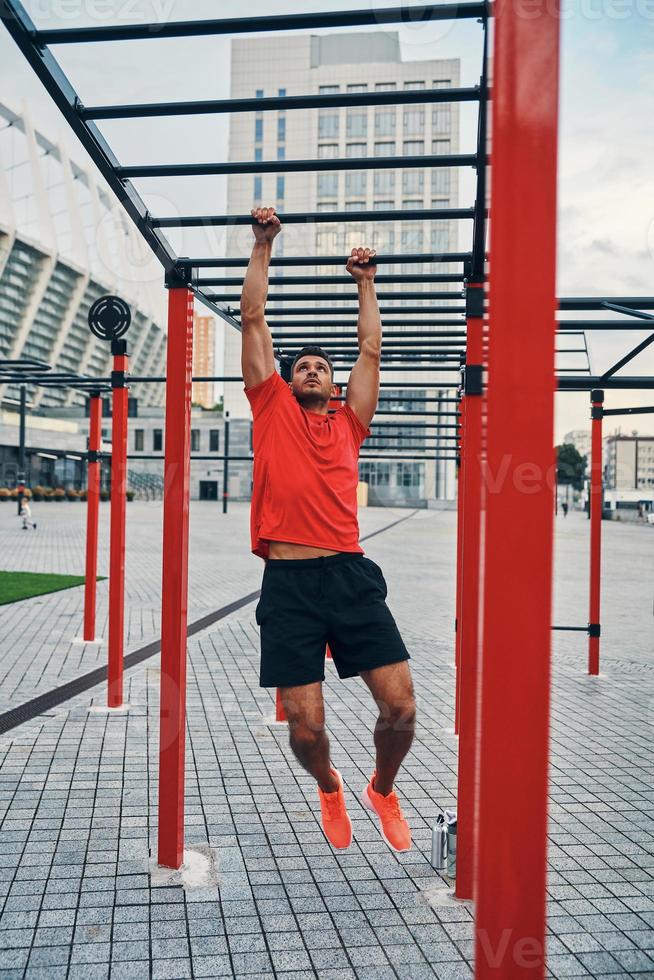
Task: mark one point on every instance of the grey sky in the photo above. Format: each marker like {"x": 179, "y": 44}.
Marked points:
{"x": 606, "y": 186}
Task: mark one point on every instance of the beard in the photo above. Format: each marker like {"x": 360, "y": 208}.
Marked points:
{"x": 312, "y": 397}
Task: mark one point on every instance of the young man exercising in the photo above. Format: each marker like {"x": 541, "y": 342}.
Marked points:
{"x": 318, "y": 587}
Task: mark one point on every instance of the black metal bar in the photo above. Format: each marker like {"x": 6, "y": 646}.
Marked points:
{"x": 226, "y": 466}
{"x": 295, "y": 166}
{"x": 413, "y": 258}
{"x": 24, "y": 33}
{"x": 629, "y": 312}
{"x": 316, "y": 218}
{"x": 250, "y": 459}
{"x": 263, "y": 25}
{"x": 344, "y": 311}
{"x": 277, "y": 103}
{"x": 281, "y": 325}
{"x": 427, "y": 277}
{"x": 315, "y": 295}
{"x": 603, "y": 303}
{"x": 586, "y": 383}
{"x": 572, "y": 629}
{"x": 629, "y": 411}
{"x": 628, "y": 357}
{"x": 580, "y": 326}
{"x": 21, "y": 428}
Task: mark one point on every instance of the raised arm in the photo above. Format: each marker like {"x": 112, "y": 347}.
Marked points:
{"x": 257, "y": 358}
{"x": 363, "y": 386}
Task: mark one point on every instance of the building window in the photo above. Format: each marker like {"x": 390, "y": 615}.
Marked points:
{"x": 441, "y": 147}
{"x": 384, "y": 182}
{"x": 328, "y": 89}
{"x": 358, "y": 87}
{"x": 138, "y": 440}
{"x": 440, "y": 202}
{"x": 258, "y": 154}
{"x": 412, "y": 240}
{"x": 414, "y": 120}
{"x": 440, "y": 182}
{"x": 412, "y": 204}
{"x": 355, "y": 205}
{"x": 327, "y": 185}
{"x": 413, "y": 182}
{"x": 258, "y": 189}
{"x": 357, "y": 122}
{"x": 327, "y": 151}
{"x": 258, "y": 130}
{"x": 259, "y": 93}
{"x": 385, "y": 121}
{"x": 355, "y": 184}
{"x": 442, "y": 83}
{"x": 414, "y": 85}
{"x": 385, "y": 86}
{"x": 157, "y": 440}
{"x": 280, "y": 188}
{"x": 355, "y": 150}
{"x": 282, "y": 93}
{"x": 195, "y": 440}
{"x": 440, "y": 238}
{"x": 328, "y": 125}
{"x": 383, "y": 235}
{"x": 414, "y": 148}
{"x": 384, "y": 149}
{"x": 441, "y": 119}
{"x": 214, "y": 440}
{"x": 281, "y": 152}
{"x": 326, "y": 206}
{"x": 281, "y": 129}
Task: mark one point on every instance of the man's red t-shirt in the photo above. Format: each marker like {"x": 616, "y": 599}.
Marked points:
{"x": 305, "y": 472}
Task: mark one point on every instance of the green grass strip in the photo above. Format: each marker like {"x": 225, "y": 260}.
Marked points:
{"x": 15, "y": 586}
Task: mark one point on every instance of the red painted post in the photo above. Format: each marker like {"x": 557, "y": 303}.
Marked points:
{"x": 517, "y": 577}
{"x": 174, "y": 592}
{"x": 280, "y": 714}
{"x": 596, "y": 505}
{"x": 119, "y": 402}
{"x": 460, "y": 481}
{"x": 468, "y": 672}
{"x": 92, "y": 510}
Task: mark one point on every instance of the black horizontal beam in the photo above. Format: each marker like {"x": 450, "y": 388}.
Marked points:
{"x": 263, "y": 25}
{"x": 587, "y": 382}
{"x": 629, "y": 411}
{"x": 281, "y": 103}
{"x": 316, "y": 218}
{"x": 599, "y": 302}
{"x": 450, "y": 346}
{"x": 412, "y": 258}
{"x": 295, "y": 166}
{"x": 281, "y": 329}
{"x": 280, "y": 336}
{"x": 427, "y": 277}
{"x": 315, "y": 295}
{"x": 345, "y": 311}
{"x": 574, "y": 326}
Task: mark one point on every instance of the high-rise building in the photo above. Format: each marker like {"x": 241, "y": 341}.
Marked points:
{"x": 204, "y": 360}
{"x": 347, "y": 62}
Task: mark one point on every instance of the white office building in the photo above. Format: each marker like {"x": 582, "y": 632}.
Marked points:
{"x": 301, "y": 65}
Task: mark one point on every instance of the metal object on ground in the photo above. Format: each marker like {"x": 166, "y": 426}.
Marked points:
{"x": 439, "y": 844}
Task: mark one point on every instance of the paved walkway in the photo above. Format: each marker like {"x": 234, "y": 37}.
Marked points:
{"x": 78, "y": 788}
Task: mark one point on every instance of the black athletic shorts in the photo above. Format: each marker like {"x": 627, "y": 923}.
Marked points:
{"x": 307, "y": 603}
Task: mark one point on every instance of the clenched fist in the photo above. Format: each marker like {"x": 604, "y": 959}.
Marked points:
{"x": 265, "y": 224}
{"x": 361, "y": 263}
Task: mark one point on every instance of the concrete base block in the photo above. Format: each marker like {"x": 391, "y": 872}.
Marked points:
{"x": 199, "y": 870}
{"x": 80, "y": 639}
{"x": 102, "y": 709}
{"x": 441, "y": 895}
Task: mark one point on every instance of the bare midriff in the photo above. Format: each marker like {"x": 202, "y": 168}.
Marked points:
{"x": 285, "y": 549}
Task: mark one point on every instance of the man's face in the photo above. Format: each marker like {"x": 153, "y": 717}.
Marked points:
{"x": 312, "y": 383}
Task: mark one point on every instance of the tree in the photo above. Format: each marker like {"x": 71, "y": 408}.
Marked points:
{"x": 570, "y": 465}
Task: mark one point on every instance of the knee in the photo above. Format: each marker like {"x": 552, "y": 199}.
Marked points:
{"x": 305, "y": 739}
{"x": 400, "y": 715}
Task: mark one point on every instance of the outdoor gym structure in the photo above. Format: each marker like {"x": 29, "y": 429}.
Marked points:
{"x": 503, "y": 319}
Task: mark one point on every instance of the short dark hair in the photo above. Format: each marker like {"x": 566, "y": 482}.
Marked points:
{"x": 317, "y": 352}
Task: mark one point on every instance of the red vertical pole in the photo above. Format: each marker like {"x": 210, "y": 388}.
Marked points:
{"x": 460, "y": 482}
{"x": 595, "y": 504}
{"x": 119, "y": 401}
{"x": 519, "y": 517}
{"x": 174, "y": 590}
{"x": 280, "y": 714}
{"x": 92, "y": 511}
{"x": 469, "y": 614}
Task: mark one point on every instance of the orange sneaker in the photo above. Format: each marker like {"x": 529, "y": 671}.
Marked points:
{"x": 335, "y": 820}
{"x": 392, "y": 822}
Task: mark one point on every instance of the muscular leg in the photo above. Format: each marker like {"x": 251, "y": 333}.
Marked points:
{"x": 305, "y": 711}
{"x": 392, "y": 689}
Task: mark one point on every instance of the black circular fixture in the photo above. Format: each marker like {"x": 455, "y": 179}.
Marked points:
{"x": 109, "y": 317}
